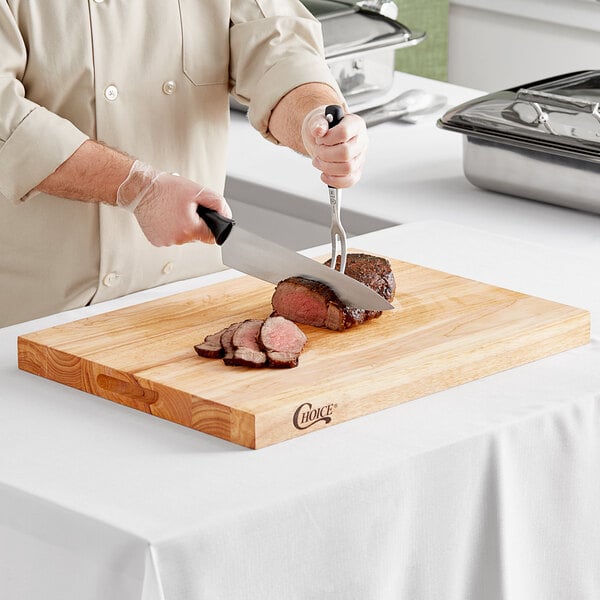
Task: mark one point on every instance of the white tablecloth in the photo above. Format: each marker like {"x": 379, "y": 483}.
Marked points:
{"x": 485, "y": 491}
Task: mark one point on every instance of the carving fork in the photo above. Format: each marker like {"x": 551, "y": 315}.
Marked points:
{"x": 334, "y": 115}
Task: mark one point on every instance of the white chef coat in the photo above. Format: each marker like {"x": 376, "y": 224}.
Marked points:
{"x": 151, "y": 78}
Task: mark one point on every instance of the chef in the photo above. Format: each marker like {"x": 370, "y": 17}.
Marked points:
{"x": 113, "y": 128}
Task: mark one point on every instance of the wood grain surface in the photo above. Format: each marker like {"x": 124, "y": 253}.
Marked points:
{"x": 445, "y": 331}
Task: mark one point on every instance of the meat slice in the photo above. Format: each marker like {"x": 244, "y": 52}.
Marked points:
{"x": 211, "y": 346}
{"x": 247, "y": 352}
{"x": 314, "y": 303}
{"x": 282, "y": 340}
{"x": 227, "y": 342}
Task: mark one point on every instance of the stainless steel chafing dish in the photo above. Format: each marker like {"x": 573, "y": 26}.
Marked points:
{"x": 360, "y": 39}
{"x": 539, "y": 141}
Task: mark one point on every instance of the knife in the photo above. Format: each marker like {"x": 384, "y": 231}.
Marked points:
{"x": 251, "y": 254}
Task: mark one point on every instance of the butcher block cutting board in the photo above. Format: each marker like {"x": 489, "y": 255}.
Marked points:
{"x": 445, "y": 331}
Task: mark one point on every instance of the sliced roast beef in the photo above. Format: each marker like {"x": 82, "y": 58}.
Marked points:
{"x": 314, "y": 303}
{"x": 274, "y": 342}
{"x": 282, "y": 340}
{"x": 211, "y": 346}
{"x": 247, "y": 352}
{"x": 227, "y": 342}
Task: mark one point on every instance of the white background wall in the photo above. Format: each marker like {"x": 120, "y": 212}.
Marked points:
{"x": 494, "y": 44}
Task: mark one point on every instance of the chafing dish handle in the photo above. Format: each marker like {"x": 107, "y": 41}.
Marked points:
{"x": 557, "y": 101}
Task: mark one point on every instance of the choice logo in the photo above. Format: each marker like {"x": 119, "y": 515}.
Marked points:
{"x": 306, "y": 416}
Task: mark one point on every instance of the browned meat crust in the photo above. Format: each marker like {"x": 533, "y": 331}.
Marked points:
{"x": 211, "y": 346}
{"x": 374, "y": 271}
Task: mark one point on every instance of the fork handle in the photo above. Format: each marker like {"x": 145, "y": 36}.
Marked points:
{"x": 333, "y": 114}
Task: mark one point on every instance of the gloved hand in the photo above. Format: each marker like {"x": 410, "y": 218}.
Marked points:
{"x": 165, "y": 205}
{"x": 339, "y": 152}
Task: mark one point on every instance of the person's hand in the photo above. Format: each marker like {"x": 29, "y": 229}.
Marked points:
{"x": 165, "y": 205}
{"x": 339, "y": 153}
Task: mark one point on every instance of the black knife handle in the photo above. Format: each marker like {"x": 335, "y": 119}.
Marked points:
{"x": 334, "y": 114}
{"x": 219, "y": 225}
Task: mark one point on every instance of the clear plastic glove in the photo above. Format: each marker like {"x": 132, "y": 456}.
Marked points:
{"x": 339, "y": 153}
{"x": 165, "y": 205}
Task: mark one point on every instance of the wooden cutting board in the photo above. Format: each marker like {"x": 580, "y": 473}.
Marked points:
{"x": 445, "y": 331}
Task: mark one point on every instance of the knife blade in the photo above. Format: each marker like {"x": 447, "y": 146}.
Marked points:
{"x": 261, "y": 258}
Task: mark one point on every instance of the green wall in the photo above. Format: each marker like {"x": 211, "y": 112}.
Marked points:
{"x": 430, "y": 57}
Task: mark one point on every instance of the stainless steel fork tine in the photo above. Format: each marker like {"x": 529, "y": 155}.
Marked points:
{"x": 343, "y": 251}
{"x": 333, "y": 248}
{"x": 335, "y": 235}
{"x": 334, "y": 251}
{"x": 337, "y": 230}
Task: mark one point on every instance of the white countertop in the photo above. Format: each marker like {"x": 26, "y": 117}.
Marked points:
{"x": 413, "y": 173}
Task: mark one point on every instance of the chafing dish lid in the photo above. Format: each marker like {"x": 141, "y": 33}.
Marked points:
{"x": 350, "y": 28}
{"x": 560, "y": 114}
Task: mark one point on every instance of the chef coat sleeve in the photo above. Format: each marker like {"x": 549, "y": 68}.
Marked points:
{"x": 276, "y": 46}
{"x": 33, "y": 140}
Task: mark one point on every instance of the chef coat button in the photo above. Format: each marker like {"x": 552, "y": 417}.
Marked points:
{"x": 98, "y": 1}
{"x": 111, "y": 92}
{"x": 167, "y": 268}
{"x": 169, "y": 87}
{"x": 110, "y": 279}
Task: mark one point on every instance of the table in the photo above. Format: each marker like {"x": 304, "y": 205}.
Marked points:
{"x": 487, "y": 490}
